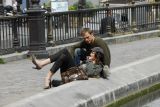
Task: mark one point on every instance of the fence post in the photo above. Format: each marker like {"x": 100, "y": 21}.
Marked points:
{"x": 158, "y": 15}
{"x": 49, "y": 30}
{"x": 1, "y": 9}
{"x": 81, "y": 6}
{"x": 109, "y": 33}
{"x": 16, "y": 43}
{"x": 133, "y": 13}
{"x": 37, "y": 30}
{"x": 79, "y": 21}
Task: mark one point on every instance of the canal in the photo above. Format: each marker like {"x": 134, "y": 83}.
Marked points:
{"x": 149, "y": 100}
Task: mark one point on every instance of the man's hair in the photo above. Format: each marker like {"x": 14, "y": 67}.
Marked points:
{"x": 84, "y": 30}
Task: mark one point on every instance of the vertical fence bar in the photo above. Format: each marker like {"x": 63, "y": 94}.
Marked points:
{"x": 0, "y": 37}
{"x": 49, "y": 30}
{"x": 134, "y": 17}
{"x": 157, "y": 15}
{"x": 15, "y": 34}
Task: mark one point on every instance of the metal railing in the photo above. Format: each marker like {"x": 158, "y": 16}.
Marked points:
{"x": 14, "y": 34}
{"x": 133, "y": 18}
{"x": 62, "y": 27}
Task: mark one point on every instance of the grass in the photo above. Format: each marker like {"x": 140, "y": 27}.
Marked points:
{"x": 1, "y": 61}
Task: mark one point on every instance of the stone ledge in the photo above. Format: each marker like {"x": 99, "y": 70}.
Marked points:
{"x": 123, "y": 81}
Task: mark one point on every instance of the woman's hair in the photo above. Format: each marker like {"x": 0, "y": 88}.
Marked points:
{"x": 84, "y": 30}
{"x": 99, "y": 58}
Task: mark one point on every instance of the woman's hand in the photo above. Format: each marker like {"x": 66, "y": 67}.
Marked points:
{"x": 89, "y": 58}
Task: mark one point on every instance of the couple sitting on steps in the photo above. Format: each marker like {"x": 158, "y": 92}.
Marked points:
{"x": 92, "y": 51}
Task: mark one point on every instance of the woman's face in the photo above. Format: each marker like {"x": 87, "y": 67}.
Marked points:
{"x": 92, "y": 56}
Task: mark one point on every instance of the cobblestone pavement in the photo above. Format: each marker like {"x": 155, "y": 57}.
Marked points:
{"x": 19, "y": 80}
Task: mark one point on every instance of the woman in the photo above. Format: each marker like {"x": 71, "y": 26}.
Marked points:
{"x": 64, "y": 61}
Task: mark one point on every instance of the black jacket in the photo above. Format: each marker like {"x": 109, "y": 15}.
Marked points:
{"x": 107, "y": 21}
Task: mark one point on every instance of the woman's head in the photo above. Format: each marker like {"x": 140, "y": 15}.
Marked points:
{"x": 97, "y": 54}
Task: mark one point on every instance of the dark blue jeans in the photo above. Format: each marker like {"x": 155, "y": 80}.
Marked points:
{"x": 79, "y": 54}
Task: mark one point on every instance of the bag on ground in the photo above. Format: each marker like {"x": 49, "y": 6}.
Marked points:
{"x": 72, "y": 74}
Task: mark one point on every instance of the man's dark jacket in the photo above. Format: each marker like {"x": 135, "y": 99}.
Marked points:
{"x": 107, "y": 21}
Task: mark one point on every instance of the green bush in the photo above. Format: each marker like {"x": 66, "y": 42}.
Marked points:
{"x": 73, "y": 7}
{"x": 87, "y": 6}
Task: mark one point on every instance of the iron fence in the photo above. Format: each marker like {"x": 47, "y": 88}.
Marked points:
{"x": 133, "y": 18}
{"x": 14, "y": 34}
{"x": 62, "y": 27}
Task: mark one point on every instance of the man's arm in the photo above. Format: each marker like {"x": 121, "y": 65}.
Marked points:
{"x": 107, "y": 57}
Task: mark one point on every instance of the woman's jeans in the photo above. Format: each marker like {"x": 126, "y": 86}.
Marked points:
{"x": 79, "y": 54}
{"x": 62, "y": 59}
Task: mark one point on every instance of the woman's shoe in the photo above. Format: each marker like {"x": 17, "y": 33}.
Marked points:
{"x": 49, "y": 84}
{"x": 35, "y": 63}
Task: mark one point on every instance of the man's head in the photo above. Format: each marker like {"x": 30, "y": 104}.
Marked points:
{"x": 109, "y": 13}
{"x": 87, "y": 35}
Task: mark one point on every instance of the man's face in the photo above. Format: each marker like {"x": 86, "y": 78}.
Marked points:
{"x": 88, "y": 38}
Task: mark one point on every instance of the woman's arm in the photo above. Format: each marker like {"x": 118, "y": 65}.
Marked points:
{"x": 93, "y": 69}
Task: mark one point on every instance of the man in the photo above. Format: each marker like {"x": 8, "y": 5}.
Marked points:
{"x": 81, "y": 50}
{"x": 107, "y": 23}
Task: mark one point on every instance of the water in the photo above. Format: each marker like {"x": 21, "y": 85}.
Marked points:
{"x": 149, "y": 100}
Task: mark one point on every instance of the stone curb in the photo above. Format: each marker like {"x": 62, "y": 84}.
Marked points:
{"x": 109, "y": 40}
{"x": 123, "y": 81}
